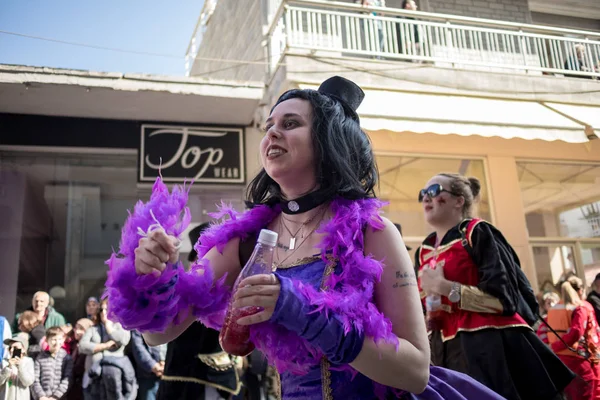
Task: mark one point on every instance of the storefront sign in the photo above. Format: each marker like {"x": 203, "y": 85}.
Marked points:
{"x": 204, "y": 154}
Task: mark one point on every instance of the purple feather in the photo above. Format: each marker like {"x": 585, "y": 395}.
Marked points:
{"x": 147, "y": 303}
{"x": 350, "y": 293}
{"x": 207, "y": 296}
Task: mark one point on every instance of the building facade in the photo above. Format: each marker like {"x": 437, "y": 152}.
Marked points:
{"x": 78, "y": 149}
{"x": 506, "y": 91}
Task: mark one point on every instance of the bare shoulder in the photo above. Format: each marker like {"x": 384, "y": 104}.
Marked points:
{"x": 378, "y": 240}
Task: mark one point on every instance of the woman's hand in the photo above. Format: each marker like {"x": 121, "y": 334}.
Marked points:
{"x": 154, "y": 251}
{"x": 15, "y": 361}
{"x": 111, "y": 345}
{"x": 433, "y": 281}
{"x": 257, "y": 291}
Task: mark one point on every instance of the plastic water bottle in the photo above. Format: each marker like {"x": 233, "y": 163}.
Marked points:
{"x": 234, "y": 338}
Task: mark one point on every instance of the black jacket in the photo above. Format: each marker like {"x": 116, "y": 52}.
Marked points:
{"x": 185, "y": 375}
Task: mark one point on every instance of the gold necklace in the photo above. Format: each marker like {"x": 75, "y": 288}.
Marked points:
{"x": 280, "y": 262}
{"x": 293, "y": 236}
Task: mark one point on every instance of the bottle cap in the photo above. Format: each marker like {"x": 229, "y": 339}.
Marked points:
{"x": 267, "y": 237}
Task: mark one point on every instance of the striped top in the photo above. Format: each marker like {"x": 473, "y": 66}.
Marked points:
{"x": 52, "y": 375}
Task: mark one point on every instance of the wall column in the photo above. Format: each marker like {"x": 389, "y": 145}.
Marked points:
{"x": 508, "y": 210}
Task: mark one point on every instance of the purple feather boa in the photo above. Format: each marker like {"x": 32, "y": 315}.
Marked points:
{"x": 146, "y": 302}
{"x": 351, "y": 292}
{"x": 149, "y": 303}
{"x": 194, "y": 285}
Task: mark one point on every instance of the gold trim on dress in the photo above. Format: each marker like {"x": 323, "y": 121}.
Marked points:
{"x": 325, "y": 372}
{"x": 278, "y": 391}
{"x": 326, "y": 380}
{"x": 300, "y": 261}
{"x": 470, "y": 237}
{"x": 238, "y": 384}
{"x": 445, "y": 247}
{"x": 439, "y": 251}
{"x": 445, "y": 339}
{"x": 329, "y": 268}
{"x": 220, "y": 361}
{"x": 474, "y": 299}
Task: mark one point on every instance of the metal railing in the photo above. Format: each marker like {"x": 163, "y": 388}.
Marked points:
{"x": 192, "y": 51}
{"x": 438, "y": 39}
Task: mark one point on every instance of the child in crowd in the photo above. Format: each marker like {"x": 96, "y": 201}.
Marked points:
{"x": 17, "y": 370}
{"x": 52, "y": 368}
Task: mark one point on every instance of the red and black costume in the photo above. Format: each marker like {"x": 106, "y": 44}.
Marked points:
{"x": 487, "y": 334}
{"x": 582, "y": 334}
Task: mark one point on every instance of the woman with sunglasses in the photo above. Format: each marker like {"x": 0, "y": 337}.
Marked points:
{"x": 482, "y": 326}
{"x": 335, "y": 321}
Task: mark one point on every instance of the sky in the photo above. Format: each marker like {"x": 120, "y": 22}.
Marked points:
{"x": 155, "y": 26}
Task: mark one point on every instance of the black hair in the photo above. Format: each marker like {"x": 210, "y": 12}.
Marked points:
{"x": 194, "y": 235}
{"x": 345, "y": 163}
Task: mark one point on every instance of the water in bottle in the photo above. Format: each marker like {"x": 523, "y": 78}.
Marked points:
{"x": 234, "y": 338}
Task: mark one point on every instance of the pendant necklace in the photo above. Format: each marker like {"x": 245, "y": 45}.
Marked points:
{"x": 293, "y": 236}
{"x": 279, "y": 231}
{"x": 280, "y": 262}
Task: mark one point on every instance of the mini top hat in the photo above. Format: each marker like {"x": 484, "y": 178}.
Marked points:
{"x": 348, "y": 93}
{"x": 399, "y": 227}
{"x": 194, "y": 235}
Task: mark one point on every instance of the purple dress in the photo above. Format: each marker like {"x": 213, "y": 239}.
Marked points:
{"x": 325, "y": 382}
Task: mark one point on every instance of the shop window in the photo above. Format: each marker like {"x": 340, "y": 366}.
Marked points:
{"x": 401, "y": 178}
{"x": 559, "y": 199}
{"x": 563, "y": 219}
{"x": 61, "y": 215}
{"x": 66, "y": 212}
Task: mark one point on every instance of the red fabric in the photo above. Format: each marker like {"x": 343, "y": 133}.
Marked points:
{"x": 459, "y": 267}
{"x": 587, "y": 385}
{"x": 582, "y": 334}
{"x": 576, "y": 331}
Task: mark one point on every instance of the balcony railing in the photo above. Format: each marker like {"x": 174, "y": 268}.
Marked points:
{"x": 443, "y": 40}
{"x": 192, "y": 51}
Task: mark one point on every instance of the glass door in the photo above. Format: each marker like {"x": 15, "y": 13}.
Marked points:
{"x": 553, "y": 262}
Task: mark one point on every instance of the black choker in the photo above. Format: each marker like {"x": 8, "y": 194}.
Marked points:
{"x": 303, "y": 204}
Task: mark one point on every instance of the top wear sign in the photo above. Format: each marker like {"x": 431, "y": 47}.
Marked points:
{"x": 204, "y": 154}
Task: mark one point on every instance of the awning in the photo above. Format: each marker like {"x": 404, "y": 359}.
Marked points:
{"x": 463, "y": 115}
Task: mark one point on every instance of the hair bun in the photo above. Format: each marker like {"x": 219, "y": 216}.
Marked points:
{"x": 475, "y": 186}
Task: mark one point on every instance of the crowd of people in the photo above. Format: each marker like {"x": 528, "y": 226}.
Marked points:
{"x": 48, "y": 359}
{"x": 345, "y": 314}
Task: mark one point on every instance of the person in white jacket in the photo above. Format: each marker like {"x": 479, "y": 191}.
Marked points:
{"x": 17, "y": 372}
{"x": 5, "y": 333}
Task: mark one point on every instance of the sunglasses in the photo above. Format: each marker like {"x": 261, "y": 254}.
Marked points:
{"x": 434, "y": 191}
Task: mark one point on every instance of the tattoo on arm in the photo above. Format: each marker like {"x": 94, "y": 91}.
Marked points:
{"x": 405, "y": 279}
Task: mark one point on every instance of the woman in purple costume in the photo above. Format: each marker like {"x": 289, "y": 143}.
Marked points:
{"x": 341, "y": 315}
